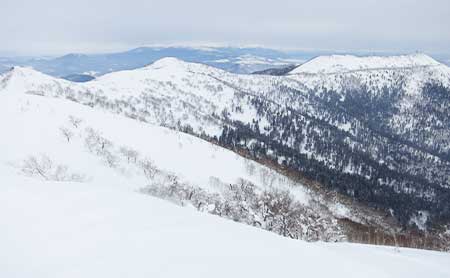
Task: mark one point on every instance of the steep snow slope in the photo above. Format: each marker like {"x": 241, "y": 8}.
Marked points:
{"x": 346, "y": 63}
{"x": 54, "y": 229}
{"x": 35, "y": 125}
{"x": 56, "y": 139}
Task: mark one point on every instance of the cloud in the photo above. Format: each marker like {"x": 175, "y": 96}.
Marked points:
{"x": 49, "y": 26}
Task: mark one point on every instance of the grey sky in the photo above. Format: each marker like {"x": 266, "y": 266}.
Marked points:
{"x": 59, "y": 26}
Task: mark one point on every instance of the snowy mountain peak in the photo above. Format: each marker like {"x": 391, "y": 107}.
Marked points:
{"x": 167, "y": 69}
{"x": 167, "y": 62}
{"x": 22, "y": 71}
{"x": 21, "y": 79}
{"x": 177, "y": 65}
{"x": 345, "y": 63}
{"x": 26, "y": 75}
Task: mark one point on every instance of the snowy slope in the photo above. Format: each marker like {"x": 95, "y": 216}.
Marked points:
{"x": 202, "y": 100}
{"x": 170, "y": 91}
{"x": 43, "y": 134}
{"x": 167, "y": 92}
{"x": 174, "y": 93}
{"x": 346, "y": 63}
{"x": 81, "y": 212}
{"x": 408, "y": 74}
{"x": 68, "y": 230}
{"x": 36, "y": 129}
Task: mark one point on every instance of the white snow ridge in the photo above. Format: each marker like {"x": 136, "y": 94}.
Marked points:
{"x": 346, "y": 63}
{"x": 74, "y": 178}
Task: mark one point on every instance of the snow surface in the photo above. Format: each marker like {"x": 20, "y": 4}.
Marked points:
{"x": 103, "y": 227}
{"x": 346, "y": 63}
{"x": 171, "y": 91}
{"x": 84, "y": 230}
{"x": 35, "y": 130}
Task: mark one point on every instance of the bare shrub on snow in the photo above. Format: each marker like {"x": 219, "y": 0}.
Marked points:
{"x": 46, "y": 169}
{"x": 95, "y": 142}
{"x": 130, "y": 154}
{"x": 34, "y": 166}
{"x": 101, "y": 146}
{"x": 168, "y": 186}
{"x": 67, "y": 133}
{"x": 109, "y": 157}
{"x": 149, "y": 168}
{"x": 74, "y": 121}
{"x": 272, "y": 209}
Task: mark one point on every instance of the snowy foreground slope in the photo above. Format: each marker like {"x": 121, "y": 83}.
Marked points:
{"x": 52, "y": 229}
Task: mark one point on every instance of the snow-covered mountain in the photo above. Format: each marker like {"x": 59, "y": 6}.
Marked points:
{"x": 75, "y": 143}
{"x": 233, "y": 59}
{"x": 372, "y": 129}
{"x": 76, "y": 180}
{"x": 346, "y": 63}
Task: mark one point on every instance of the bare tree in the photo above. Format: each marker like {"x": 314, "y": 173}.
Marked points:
{"x": 271, "y": 209}
{"x": 110, "y": 159}
{"x": 91, "y": 140}
{"x": 34, "y": 166}
{"x": 67, "y": 133}
{"x": 44, "y": 168}
{"x": 76, "y": 122}
{"x": 95, "y": 142}
{"x": 148, "y": 167}
{"x": 129, "y": 154}
{"x": 146, "y": 97}
{"x": 101, "y": 146}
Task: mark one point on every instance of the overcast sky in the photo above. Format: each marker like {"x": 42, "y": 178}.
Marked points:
{"x": 60, "y": 26}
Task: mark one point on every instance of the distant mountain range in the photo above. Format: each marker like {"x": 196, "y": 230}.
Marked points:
{"x": 237, "y": 60}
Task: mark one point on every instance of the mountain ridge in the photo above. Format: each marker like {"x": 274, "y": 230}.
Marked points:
{"x": 334, "y": 64}
{"x": 285, "y": 115}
